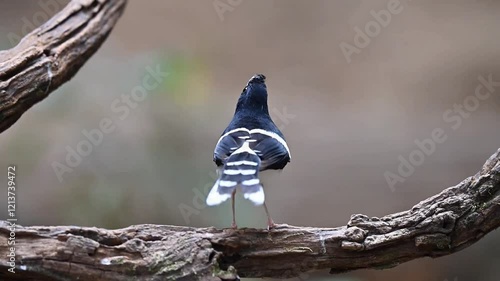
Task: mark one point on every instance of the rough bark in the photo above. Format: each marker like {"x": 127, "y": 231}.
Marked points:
{"x": 52, "y": 54}
{"x": 440, "y": 225}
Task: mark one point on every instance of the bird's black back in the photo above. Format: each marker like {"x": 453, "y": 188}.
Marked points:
{"x": 252, "y": 114}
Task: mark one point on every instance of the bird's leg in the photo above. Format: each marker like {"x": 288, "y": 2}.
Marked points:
{"x": 270, "y": 222}
{"x": 233, "y": 225}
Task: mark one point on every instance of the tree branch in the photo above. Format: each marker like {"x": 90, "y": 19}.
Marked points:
{"x": 440, "y": 225}
{"x": 52, "y": 54}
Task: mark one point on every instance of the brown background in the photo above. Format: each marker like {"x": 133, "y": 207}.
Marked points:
{"x": 351, "y": 120}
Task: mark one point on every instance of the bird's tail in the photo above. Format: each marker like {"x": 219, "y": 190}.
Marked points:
{"x": 241, "y": 168}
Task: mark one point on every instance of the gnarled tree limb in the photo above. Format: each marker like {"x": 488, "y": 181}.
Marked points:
{"x": 51, "y": 54}
{"x": 440, "y": 225}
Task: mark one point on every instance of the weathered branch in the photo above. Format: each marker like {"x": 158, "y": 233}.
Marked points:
{"x": 51, "y": 54}
{"x": 437, "y": 226}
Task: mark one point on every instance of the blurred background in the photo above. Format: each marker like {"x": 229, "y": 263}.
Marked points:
{"x": 349, "y": 108}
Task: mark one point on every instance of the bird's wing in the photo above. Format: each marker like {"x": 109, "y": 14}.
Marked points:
{"x": 227, "y": 144}
{"x": 271, "y": 148}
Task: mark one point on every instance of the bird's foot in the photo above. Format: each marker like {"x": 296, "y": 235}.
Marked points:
{"x": 270, "y": 224}
{"x": 234, "y": 226}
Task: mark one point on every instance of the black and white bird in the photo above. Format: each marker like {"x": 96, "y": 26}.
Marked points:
{"x": 250, "y": 144}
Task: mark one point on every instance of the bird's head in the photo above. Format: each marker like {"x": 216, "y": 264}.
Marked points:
{"x": 257, "y": 78}
{"x": 254, "y": 95}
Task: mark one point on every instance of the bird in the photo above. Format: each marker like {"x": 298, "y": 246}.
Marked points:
{"x": 250, "y": 144}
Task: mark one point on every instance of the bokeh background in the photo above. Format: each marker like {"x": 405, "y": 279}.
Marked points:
{"x": 345, "y": 122}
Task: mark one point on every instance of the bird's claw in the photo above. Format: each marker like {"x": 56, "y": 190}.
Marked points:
{"x": 270, "y": 225}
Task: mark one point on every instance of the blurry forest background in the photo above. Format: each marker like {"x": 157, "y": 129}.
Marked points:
{"x": 347, "y": 124}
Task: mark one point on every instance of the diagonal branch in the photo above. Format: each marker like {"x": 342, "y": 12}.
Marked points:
{"x": 52, "y": 54}
{"x": 440, "y": 225}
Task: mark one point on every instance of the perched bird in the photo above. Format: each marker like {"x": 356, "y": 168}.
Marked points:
{"x": 251, "y": 143}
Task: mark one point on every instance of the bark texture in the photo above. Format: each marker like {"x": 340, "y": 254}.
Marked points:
{"x": 440, "y": 225}
{"x": 52, "y": 54}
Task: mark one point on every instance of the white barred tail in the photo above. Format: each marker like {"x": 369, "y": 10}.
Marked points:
{"x": 241, "y": 169}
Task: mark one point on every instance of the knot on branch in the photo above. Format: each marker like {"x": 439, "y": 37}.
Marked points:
{"x": 433, "y": 242}
{"x": 372, "y": 225}
{"x": 355, "y": 234}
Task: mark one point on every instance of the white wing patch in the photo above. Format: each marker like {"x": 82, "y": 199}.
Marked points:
{"x": 258, "y": 131}
{"x": 274, "y": 136}
{"x": 244, "y": 148}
